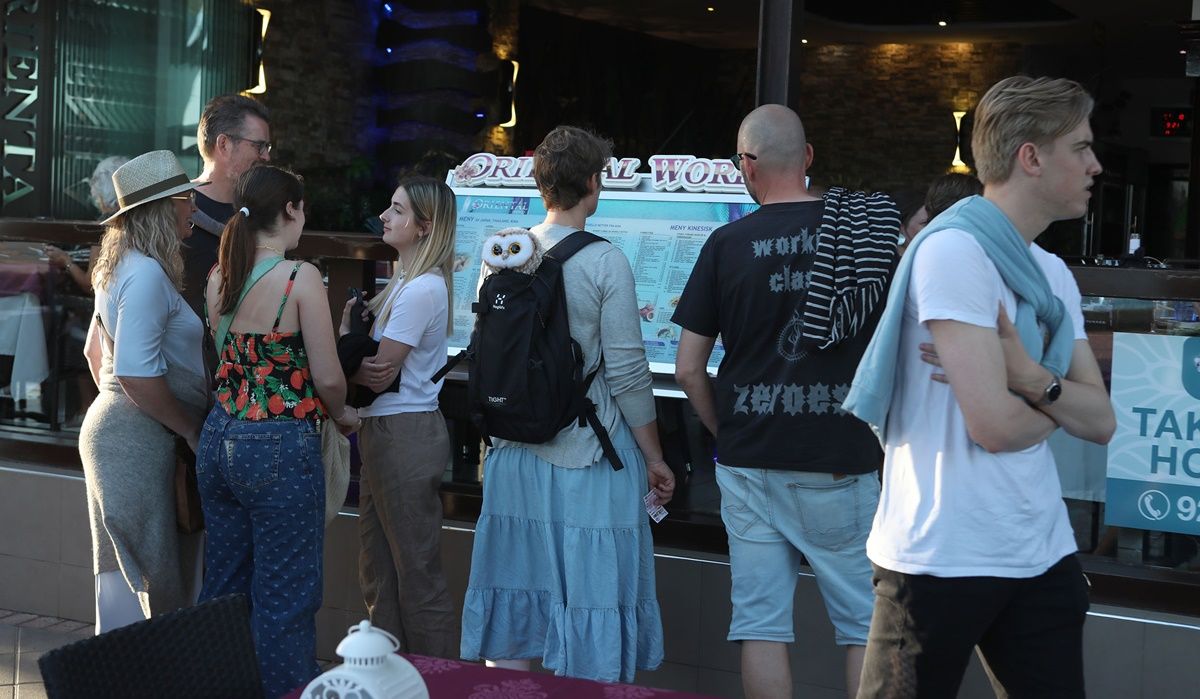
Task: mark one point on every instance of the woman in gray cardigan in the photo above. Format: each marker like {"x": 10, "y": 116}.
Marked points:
{"x": 563, "y": 563}
{"x": 143, "y": 349}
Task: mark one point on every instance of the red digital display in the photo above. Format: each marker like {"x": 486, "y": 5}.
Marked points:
{"x": 1171, "y": 123}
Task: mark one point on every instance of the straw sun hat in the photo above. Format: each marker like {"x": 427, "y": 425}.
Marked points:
{"x": 148, "y": 177}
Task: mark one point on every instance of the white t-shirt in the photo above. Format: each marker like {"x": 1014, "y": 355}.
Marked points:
{"x": 417, "y": 319}
{"x": 150, "y": 323}
{"x": 948, "y": 507}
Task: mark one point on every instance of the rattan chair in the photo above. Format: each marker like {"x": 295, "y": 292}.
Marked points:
{"x": 202, "y": 651}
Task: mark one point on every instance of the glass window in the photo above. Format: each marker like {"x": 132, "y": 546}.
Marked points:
{"x": 117, "y": 79}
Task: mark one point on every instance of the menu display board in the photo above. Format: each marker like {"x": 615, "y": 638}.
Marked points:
{"x": 660, "y": 233}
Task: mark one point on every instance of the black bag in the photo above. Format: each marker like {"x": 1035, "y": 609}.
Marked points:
{"x": 352, "y": 349}
{"x": 526, "y": 381}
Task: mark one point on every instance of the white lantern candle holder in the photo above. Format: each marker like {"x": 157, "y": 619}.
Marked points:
{"x": 371, "y": 669}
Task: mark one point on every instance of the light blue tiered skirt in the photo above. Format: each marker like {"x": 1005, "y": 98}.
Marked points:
{"x": 563, "y": 567}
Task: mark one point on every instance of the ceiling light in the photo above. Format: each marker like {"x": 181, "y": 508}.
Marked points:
{"x": 941, "y": 23}
{"x": 711, "y": 9}
{"x": 1183, "y": 52}
{"x": 804, "y": 41}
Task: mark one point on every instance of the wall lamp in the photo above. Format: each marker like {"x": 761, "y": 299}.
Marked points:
{"x": 261, "y": 87}
{"x": 512, "y": 90}
{"x": 958, "y": 161}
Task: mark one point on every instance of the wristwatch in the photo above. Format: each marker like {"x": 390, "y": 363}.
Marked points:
{"x": 1051, "y": 392}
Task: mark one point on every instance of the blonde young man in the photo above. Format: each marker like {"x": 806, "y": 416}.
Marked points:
{"x": 980, "y": 356}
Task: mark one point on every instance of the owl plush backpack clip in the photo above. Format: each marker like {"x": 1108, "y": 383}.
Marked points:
{"x": 512, "y": 248}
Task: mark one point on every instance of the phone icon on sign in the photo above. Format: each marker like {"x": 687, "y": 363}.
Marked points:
{"x": 1154, "y": 505}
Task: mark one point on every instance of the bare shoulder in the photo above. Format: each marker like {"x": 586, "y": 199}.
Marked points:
{"x": 309, "y": 282}
{"x": 309, "y": 272}
{"x": 213, "y": 280}
{"x": 212, "y": 284}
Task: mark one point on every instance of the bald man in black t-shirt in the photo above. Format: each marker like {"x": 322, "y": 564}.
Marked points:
{"x": 797, "y": 474}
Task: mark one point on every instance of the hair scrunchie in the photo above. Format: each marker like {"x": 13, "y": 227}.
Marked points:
{"x": 245, "y": 212}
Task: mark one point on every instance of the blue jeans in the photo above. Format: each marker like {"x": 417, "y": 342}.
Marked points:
{"x": 262, "y": 487}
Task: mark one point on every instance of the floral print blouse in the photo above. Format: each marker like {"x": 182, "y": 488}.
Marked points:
{"x": 265, "y": 376}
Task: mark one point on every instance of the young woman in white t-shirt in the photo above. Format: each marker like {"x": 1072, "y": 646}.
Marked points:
{"x": 403, "y": 441}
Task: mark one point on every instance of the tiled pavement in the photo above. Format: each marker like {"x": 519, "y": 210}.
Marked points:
{"x": 23, "y": 639}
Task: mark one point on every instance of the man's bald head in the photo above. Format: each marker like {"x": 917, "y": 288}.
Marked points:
{"x": 775, "y": 135}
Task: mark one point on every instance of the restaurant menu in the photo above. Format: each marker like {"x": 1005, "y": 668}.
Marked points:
{"x": 660, "y": 233}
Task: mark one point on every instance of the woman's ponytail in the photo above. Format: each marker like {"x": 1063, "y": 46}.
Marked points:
{"x": 236, "y": 258}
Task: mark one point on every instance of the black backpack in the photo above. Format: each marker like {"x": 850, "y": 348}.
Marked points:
{"x": 527, "y": 381}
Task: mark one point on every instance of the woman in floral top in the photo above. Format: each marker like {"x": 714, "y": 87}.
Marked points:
{"x": 262, "y": 482}
{"x": 263, "y": 377}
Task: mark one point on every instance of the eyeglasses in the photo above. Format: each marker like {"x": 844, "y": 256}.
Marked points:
{"x": 737, "y": 159}
{"x": 186, "y": 196}
{"x": 263, "y": 147}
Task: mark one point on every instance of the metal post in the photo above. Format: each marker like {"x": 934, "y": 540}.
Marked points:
{"x": 1192, "y": 239}
{"x": 779, "y": 36}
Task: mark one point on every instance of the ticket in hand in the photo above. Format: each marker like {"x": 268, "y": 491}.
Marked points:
{"x": 656, "y": 511}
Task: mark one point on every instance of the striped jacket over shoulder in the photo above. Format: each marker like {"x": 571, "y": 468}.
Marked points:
{"x": 856, "y": 255}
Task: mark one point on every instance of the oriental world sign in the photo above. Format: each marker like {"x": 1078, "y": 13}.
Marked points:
{"x": 668, "y": 173}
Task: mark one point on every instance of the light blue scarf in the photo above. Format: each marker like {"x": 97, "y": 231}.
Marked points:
{"x": 870, "y": 395}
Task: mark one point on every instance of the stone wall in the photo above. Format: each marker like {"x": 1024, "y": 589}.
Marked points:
{"x": 881, "y": 116}
{"x": 317, "y": 56}
{"x": 878, "y": 116}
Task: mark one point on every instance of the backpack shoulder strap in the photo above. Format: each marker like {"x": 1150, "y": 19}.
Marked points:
{"x": 573, "y": 243}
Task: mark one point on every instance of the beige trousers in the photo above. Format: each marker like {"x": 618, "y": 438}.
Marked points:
{"x": 400, "y": 524}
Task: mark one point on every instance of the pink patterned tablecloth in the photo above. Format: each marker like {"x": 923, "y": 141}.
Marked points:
{"x": 452, "y": 679}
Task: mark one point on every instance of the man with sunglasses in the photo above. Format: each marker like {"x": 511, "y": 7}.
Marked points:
{"x": 796, "y": 473}
{"x": 233, "y": 136}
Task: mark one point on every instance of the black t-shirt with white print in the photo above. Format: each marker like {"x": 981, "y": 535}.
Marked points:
{"x": 778, "y": 399}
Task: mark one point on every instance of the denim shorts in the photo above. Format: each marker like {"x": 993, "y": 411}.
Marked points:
{"x": 776, "y": 519}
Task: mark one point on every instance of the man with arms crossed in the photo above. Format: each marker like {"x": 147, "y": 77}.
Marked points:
{"x": 797, "y": 474}
{"x": 971, "y": 543}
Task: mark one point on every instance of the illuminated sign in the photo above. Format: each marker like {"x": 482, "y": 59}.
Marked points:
{"x": 1171, "y": 123}
{"x": 668, "y": 173}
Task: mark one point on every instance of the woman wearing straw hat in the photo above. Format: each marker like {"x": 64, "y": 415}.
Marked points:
{"x": 143, "y": 349}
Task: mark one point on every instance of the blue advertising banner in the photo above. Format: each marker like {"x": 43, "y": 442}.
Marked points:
{"x": 1154, "y": 457}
